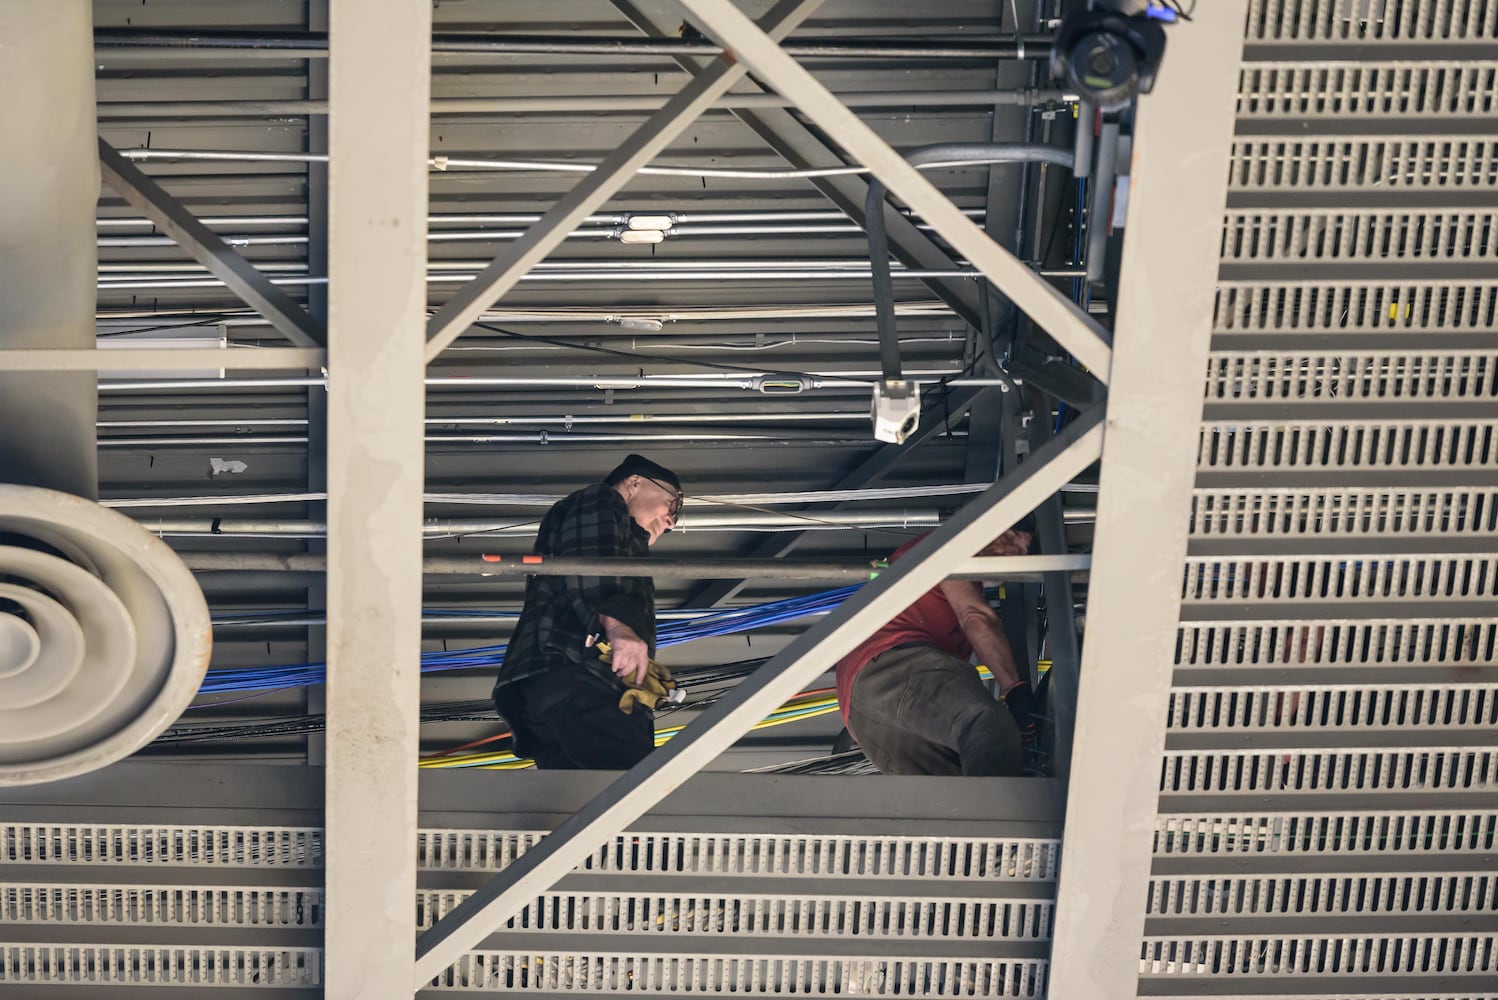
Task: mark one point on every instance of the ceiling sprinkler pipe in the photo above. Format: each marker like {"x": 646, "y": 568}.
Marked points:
{"x": 783, "y": 570}
{"x": 524, "y": 218}
{"x": 525, "y": 526}
{"x": 48, "y": 198}
{"x": 590, "y": 104}
{"x": 770, "y": 385}
{"x": 313, "y": 44}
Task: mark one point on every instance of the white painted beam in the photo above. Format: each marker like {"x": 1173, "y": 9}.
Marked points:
{"x": 1178, "y": 191}
{"x": 61, "y": 359}
{"x": 379, "y": 81}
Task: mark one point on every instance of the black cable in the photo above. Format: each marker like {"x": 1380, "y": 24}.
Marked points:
{"x": 638, "y": 356}
{"x": 167, "y": 327}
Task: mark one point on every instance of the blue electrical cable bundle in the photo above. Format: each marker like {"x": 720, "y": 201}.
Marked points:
{"x": 244, "y": 679}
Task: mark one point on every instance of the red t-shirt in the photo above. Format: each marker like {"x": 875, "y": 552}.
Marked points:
{"x": 929, "y": 620}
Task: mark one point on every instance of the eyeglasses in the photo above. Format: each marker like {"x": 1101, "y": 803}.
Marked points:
{"x": 676, "y": 495}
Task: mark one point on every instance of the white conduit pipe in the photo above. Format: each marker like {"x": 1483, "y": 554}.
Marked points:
{"x": 565, "y": 314}
{"x": 526, "y": 527}
{"x": 497, "y": 235}
{"x": 524, "y": 219}
{"x": 518, "y": 437}
{"x": 142, "y": 282}
{"x": 444, "y": 163}
{"x": 770, "y": 385}
{"x": 547, "y": 499}
{"x": 562, "y": 421}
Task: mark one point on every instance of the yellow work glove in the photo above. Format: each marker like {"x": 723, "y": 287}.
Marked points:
{"x": 658, "y": 687}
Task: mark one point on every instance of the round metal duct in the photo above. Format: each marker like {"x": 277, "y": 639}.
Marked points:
{"x": 104, "y": 636}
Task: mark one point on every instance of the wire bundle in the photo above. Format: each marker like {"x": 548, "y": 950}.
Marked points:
{"x": 807, "y": 705}
{"x": 256, "y": 679}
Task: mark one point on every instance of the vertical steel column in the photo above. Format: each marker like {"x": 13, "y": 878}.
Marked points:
{"x": 379, "y": 80}
{"x": 49, "y": 189}
{"x": 1182, "y": 144}
{"x": 1061, "y": 622}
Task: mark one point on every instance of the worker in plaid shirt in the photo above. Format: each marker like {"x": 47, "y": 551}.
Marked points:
{"x": 561, "y": 701}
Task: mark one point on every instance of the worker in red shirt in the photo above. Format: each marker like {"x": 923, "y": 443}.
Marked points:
{"x": 912, "y": 699}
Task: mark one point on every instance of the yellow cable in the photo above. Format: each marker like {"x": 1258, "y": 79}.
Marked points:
{"x": 823, "y": 705}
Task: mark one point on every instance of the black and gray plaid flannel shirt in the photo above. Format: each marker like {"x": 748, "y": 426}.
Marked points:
{"x": 562, "y": 611}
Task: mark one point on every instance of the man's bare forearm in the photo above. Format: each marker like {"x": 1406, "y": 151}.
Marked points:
{"x": 988, "y": 640}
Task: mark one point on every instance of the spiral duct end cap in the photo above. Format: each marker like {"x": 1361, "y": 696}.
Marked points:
{"x": 104, "y": 636}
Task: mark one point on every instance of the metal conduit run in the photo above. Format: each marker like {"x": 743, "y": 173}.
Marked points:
{"x": 590, "y": 104}
{"x": 896, "y": 520}
{"x": 769, "y": 384}
{"x": 47, "y": 256}
{"x": 314, "y": 44}
{"x": 785, "y": 570}
{"x": 528, "y": 218}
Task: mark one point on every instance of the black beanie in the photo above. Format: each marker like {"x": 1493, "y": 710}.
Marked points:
{"x": 639, "y": 465}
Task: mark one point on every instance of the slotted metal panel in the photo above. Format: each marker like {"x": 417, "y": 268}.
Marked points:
{"x": 1357, "y": 22}
{"x": 1348, "y": 90}
{"x": 712, "y": 901}
{"x": 1326, "y": 824}
{"x": 1321, "y": 234}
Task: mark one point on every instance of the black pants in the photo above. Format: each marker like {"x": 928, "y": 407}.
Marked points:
{"x": 569, "y": 719}
{"x": 918, "y": 710}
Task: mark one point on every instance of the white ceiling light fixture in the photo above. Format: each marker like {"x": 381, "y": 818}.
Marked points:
{"x": 642, "y": 228}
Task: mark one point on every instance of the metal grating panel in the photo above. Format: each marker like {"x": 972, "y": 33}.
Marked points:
{"x": 1340, "y": 513}
{"x": 1302, "y": 307}
{"x": 827, "y": 899}
{"x": 1390, "y": 895}
{"x": 1320, "y": 445}
{"x": 1276, "y": 377}
{"x": 1374, "y": 235}
{"x": 1365, "y": 163}
{"x": 75, "y": 903}
{"x": 1357, "y": 22}
{"x": 1341, "y": 536}
{"x": 1301, "y": 832}
{"x": 142, "y": 844}
{"x": 765, "y": 855}
{"x": 753, "y": 975}
{"x": 135, "y": 965}
{"x": 1349, "y": 90}
{"x": 1302, "y": 955}
{"x": 1268, "y": 579}
{"x": 738, "y": 915}
{"x": 1327, "y": 708}
{"x": 1292, "y": 771}
{"x": 1393, "y": 642}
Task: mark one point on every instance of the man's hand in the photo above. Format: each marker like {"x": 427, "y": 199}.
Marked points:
{"x": 631, "y": 654}
{"x": 1021, "y": 703}
{"x": 1010, "y": 543}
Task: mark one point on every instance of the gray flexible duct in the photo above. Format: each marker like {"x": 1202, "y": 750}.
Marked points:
{"x": 49, "y": 189}
{"x": 873, "y": 210}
